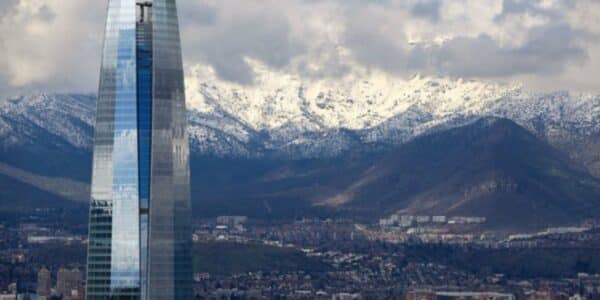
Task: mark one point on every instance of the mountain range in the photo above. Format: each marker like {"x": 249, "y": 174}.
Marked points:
{"x": 366, "y": 147}
{"x": 491, "y": 168}
{"x": 286, "y": 116}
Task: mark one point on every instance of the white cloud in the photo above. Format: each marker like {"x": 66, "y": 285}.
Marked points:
{"x": 51, "y": 44}
{"x": 55, "y": 45}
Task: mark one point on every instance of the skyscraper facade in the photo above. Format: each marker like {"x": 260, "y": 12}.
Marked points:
{"x": 139, "y": 232}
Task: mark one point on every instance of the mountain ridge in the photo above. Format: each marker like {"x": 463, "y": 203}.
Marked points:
{"x": 379, "y": 108}
{"x": 491, "y": 168}
{"x": 221, "y": 127}
{"x": 484, "y": 168}
{"x": 491, "y": 161}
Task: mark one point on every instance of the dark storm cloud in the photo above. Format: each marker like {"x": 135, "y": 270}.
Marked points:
{"x": 427, "y": 9}
{"x": 6, "y": 6}
{"x": 518, "y": 7}
{"x": 330, "y": 65}
{"x": 547, "y": 51}
{"x": 225, "y": 45}
{"x": 479, "y": 56}
{"x": 43, "y": 13}
{"x": 265, "y": 35}
{"x": 50, "y": 45}
{"x": 196, "y": 13}
{"x": 373, "y": 48}
{"x": 46, "y": 14}
{"x": 316, "y": 39}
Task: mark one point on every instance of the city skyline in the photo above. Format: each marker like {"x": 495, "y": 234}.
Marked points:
{"x": 299, "y": 149}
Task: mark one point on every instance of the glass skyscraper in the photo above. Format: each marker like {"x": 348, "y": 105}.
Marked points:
{"x": 139, "y": 231}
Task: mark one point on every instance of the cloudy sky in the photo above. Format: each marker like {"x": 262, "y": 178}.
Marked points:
{"x": 54, "y": 45}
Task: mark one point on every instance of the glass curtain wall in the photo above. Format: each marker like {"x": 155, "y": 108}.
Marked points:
{"x": 113, "y": 260}
{"x": 144, "y": 91}
{"x": 139, "y": 233}
{"x": 170, "y": 273}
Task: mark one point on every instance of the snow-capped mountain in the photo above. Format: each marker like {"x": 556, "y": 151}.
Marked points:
{"x": 286, "y": 116}
{"x": 283, "y": 114}
{"x": 24, "y": 120}
{"x": 46, "y": 141}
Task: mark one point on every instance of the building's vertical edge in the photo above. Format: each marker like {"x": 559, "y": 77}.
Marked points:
{"x": 144, "y": 70}
{"x": 125, "y": 256}
{"x": 113, "y": 228}
{"x": 100, "y": 216}
{"x": 170, "y": 269}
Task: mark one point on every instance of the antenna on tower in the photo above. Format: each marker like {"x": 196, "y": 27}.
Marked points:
{"x": 145, "y": 7}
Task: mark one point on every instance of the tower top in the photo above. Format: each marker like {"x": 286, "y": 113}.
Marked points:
{"x": 144, "y": 3}
{"x": 144, "y": 10}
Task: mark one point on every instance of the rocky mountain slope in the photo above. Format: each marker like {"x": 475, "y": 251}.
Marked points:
{"x": 49, "y": 135}
{"x": 286, "y": 117}
{"x": 491, "y": 168}
{"x": 276, "y": 148}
